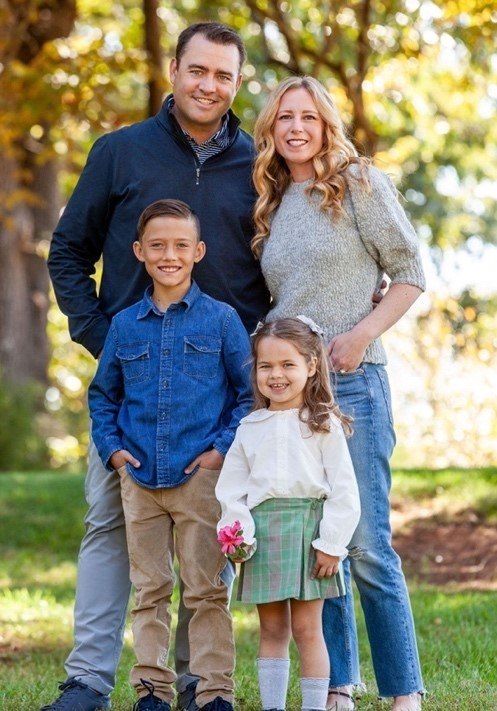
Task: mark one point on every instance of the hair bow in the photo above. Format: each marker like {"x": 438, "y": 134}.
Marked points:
{"x": 260, "y": 324}
{"x": 312, "y": 325}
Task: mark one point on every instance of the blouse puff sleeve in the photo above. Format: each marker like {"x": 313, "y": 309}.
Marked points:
{"x": 231, "y": 492}
{"x": 384, "y": 229}
{"x": 341, "y": 511}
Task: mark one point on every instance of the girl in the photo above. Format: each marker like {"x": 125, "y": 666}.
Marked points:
{"x": 328, "y": 227}
{"x": 288, "y": 479}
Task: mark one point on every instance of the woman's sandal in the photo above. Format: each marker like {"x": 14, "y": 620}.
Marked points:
{"x": 335, "y": 707}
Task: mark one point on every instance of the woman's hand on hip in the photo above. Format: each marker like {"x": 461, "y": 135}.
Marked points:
{"x": 347, "y": 350}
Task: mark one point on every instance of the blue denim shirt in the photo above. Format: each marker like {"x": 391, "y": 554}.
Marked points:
{"x": 170, "y": 385}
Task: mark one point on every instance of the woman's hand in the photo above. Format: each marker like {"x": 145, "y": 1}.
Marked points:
{"x": 325, "y": 565}
{"x": 347, "y": 350}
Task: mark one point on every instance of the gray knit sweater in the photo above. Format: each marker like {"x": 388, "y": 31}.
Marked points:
{"x": 328, "y": 267}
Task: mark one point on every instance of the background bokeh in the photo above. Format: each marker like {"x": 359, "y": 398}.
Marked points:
{"x": 417, "y": 83}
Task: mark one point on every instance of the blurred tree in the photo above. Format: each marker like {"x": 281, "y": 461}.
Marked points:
{"x": 153, "y": 30}
{"x": 56, "y": 95}
{"x": 28, "y": 194}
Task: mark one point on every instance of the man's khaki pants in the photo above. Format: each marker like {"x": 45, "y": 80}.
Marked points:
{"x": 160, "y": 522}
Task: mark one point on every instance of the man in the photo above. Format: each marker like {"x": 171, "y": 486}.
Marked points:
{"x": 192, "y": 150}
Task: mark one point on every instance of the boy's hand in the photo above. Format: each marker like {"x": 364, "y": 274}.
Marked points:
{"x": 207, "y": 460}
{"x": 122, "y": 457}
{"x": 325, "y": 565}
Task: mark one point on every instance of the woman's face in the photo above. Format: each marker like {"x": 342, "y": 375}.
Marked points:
{"x": 298, "y": 132}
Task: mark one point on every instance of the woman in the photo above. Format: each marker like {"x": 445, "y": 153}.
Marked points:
{"x": 328, "y": 227}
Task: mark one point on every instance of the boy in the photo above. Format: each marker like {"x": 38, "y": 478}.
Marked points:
{"x": 169, "y": 392}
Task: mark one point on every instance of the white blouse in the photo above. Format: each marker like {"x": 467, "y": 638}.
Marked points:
{"x": 275, "y": 455}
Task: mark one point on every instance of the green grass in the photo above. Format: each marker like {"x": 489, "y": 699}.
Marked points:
{"x": 454, "y": 491}
{"x": 40, "y": 528}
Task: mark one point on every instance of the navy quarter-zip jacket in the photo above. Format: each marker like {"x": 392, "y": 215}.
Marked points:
{"x": 127, "y": 170}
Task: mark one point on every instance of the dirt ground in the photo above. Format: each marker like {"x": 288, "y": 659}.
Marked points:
{"x": 461, "y": 552}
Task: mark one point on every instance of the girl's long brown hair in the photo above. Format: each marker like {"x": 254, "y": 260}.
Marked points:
{"x": 271, "y": 174}
{"x": 318, "y": 398}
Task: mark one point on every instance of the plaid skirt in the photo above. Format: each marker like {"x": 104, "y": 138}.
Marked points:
{"x": 282, "y": 564}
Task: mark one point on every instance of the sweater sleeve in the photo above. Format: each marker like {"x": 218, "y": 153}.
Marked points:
{"x": 231, "y": 492}
{"x": 385, "y": 231}
{"x": 342, "y": 509}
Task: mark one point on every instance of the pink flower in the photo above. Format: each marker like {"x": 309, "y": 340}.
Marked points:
{"x": 231, "y": 539}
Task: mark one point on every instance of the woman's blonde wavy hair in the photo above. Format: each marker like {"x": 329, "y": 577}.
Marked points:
{"x": 271, "y": 174}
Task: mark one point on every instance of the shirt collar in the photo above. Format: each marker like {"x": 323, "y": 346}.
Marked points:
{"x": 147, "y": 305}
{"x": 220, "y": 137}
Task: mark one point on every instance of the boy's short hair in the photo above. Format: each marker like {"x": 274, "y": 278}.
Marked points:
{"x": 214, "y": 32}
{"x": 167, "y": 208}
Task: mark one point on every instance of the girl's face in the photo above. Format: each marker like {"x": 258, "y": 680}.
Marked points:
{"x": 298, "y": 132}
{"x": 282, "y": 373}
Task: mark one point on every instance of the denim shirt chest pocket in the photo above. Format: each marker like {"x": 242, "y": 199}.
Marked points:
{"x": 201, "y": 356}
{"x": 135, "y": 362}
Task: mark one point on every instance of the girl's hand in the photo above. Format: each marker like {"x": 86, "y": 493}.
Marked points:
{"x": 347, "y": 350}
{"x": 236, "y": 560}
{"x": 122, "y": 457}
{"x": 325, "y": 565}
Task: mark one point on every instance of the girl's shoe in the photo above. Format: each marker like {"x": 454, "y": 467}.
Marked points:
{"x": 340, "y": 701}
{"x": 409, "y": 702}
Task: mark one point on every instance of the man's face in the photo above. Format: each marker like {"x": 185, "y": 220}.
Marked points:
{"x": 205, "y": 82}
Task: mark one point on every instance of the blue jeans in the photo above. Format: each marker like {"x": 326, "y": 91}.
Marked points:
{"x": 375, "y": 566}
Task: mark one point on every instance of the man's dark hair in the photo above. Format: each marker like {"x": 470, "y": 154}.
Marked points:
{"x": 167, "y": 208}
{"x": 214, "y": 32}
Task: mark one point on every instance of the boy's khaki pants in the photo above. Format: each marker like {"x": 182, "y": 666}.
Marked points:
{"x": 160, "y": 522}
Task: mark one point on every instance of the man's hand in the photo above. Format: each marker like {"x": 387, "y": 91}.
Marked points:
{"x": 207, "y": 460}
{"x": 378, "y": 295}
{"x": 122, "y": 457}
{"x": 325, "y": 565}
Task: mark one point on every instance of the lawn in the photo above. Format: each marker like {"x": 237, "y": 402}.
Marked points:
{"x": 40, "y": 529}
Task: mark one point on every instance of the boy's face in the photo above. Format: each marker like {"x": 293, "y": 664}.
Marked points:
{"x": 169, "y": 248}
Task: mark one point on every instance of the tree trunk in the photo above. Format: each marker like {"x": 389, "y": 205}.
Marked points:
{"x": 29, "y": 199}
{"x": 156, "y": 83}
{"x": 24, "y": 283}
